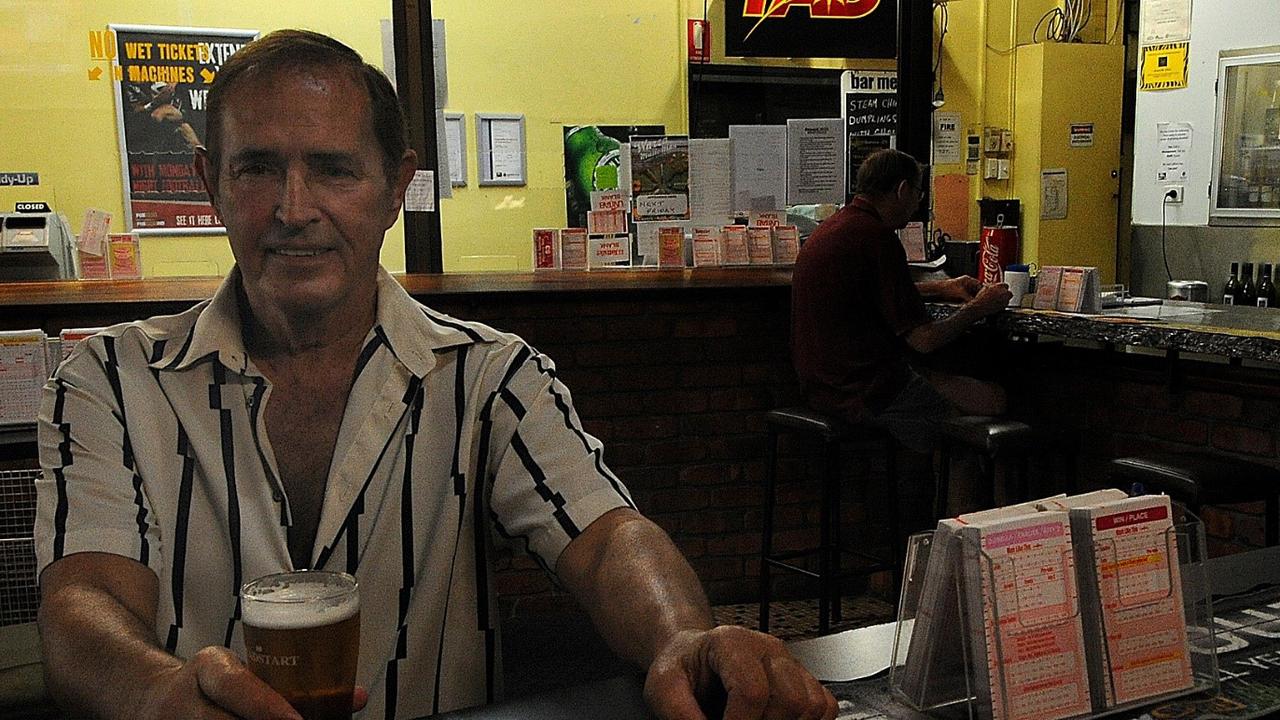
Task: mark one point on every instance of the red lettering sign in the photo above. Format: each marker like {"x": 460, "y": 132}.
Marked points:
{"x": 833, "y": 9}
{"x": 1107, "y": 522}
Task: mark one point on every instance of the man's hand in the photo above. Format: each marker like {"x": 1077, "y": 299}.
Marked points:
{"x": 961, "y": 289}
{"x": 212, "y": 684}
{"x": 991, "y": 299}
{"x": 760, "y": 679}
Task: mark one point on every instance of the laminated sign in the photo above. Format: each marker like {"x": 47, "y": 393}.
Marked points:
{"x": 162, "y": 77}
{"x": 1164, "y": 66}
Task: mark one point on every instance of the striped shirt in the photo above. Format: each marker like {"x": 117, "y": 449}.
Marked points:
{"x": 455, "y": 437}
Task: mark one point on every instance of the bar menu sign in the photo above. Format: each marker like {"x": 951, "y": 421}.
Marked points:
{"x": 870, "y": 113}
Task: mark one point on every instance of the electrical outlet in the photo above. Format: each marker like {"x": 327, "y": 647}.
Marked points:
{"x": 1173, "y": 194}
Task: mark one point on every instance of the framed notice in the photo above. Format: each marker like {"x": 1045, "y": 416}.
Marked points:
{"x": 161, "y": 78}
{"x": 500, "y": 149}
{"x": 455, "y": 130}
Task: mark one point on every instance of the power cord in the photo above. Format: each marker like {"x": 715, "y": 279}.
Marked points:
{"x": 939, "y": 98}
{"x": 1065, "y": 23}
{"x": 1164, "y": 206}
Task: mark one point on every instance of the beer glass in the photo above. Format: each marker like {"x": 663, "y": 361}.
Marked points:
{"x": 302, "y": 637}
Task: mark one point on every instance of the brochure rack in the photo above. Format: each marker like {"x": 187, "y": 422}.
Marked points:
{"x": 943, "y": 674}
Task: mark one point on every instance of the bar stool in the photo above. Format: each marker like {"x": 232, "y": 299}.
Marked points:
{"x": 1196, "y": 479}
{"x": 995, "y": 438}
{"x": 832, "y": 434}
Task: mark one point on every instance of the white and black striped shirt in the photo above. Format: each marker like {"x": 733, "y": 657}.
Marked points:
{"x": 154, "y": 447}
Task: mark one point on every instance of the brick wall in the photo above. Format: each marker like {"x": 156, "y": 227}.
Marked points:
{"x": 1130, "y": 405}
{"x": 676, "y": 384}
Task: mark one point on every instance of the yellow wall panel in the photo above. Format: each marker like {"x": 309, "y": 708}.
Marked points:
{"x": 56, "y": 121}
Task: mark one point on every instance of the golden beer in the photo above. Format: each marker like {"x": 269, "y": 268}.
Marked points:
{"x": 302, "y": 637}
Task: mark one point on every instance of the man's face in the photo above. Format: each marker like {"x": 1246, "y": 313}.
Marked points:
{"x": 908, "y": 201}
{"x": 302, "y": 190}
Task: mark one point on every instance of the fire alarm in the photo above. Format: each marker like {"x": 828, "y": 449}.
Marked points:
{"x": 699, "y": 41}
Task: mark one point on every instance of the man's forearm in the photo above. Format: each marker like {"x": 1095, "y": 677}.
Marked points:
{"x": 637, "y": 587}
{"x": 933, "y": 335}
{"x": 97, "y": 654}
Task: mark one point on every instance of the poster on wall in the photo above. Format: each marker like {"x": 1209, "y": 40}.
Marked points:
{"x": 660, "y": 177}
{"x": 811, "y": 28}
{"x": 592, "y": 160}
{"x": 164, "y": 76}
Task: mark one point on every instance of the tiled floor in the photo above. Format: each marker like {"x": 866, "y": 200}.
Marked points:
{"x": 798, "y": 619}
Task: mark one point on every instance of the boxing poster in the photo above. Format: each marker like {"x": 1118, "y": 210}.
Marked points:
{"x": 162, "y": 77}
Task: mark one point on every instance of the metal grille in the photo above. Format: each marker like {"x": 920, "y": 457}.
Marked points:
{"x": 19, "y": 596}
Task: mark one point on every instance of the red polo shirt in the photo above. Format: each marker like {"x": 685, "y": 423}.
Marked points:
{"x": 852, "y": 300}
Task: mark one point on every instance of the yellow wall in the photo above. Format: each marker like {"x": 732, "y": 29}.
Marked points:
{"x": 980, "y": 73}
{"x": 589, "y": 61}
{"x": 56, "y": 121}
{"x": 557, "y": 63}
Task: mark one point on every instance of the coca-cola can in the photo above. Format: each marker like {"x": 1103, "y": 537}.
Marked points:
{"x": 997, "y": 249}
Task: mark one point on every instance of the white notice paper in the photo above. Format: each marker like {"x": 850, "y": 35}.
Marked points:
{"x": 506, "y": 149}
{"x": 710, "y": 181}
{"x": 759, "y": 166}
{"x": 849, "y": 655}
{"x": 388, "y": 49}
{"x": 815, "y": 161}
{"x": 93, "y": 231}
{"x": 444, "y": 158}
{"x": 1053, "y": 194}
{"x": 23, "y": 370}
{"x": 946, "y": 139}
{"x": 438, "y": 59}
{"x": 421, "y": 194}
{"x": 1174, "y": 142}
{"x": 456, "y": 137}
{"x": 1164, "y": 21}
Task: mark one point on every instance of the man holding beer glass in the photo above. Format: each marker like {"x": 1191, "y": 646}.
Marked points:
{"x": 312, "y": 416}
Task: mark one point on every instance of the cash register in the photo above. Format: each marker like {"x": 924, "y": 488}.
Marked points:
{"x": 35, "y": 246}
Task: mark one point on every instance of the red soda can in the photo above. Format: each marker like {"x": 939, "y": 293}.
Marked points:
{"x": 997, "y": 249}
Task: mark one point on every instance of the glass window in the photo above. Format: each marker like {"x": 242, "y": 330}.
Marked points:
{"x": 1248, "y": 153}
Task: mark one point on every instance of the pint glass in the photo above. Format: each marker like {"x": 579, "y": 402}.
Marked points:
{"x": 302, "y": 637}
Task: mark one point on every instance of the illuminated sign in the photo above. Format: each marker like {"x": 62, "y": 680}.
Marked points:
{"x": 803, "y": 28}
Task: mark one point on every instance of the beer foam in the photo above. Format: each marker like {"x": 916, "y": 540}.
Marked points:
{"x": 297, "y": 605}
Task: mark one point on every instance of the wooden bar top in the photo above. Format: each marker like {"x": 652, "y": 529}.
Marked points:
{"x": 79, "y": 292}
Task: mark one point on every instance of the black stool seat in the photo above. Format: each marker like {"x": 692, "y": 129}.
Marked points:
{"x": 996, "y": 437}
{"x": 804, "y": 420}
{"x": 991, "y": 435}
{"x": 831, "y": 433}
{"x": 1199, "y": 478}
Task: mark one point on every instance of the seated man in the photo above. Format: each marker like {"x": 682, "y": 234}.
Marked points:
{"x": 313, "y": 415}
{"x": 858, "y": 321}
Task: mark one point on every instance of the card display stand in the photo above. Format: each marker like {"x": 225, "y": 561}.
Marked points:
{"x": 941, "y": 675}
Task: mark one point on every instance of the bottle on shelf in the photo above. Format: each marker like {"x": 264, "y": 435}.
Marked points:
{"x": 1232, "y": 287}
{"x": 1248, "y": 290}
{"x": 1266, "y": 289}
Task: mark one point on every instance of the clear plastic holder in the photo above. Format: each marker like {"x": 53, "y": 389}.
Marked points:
{"x": 936, "y": 672}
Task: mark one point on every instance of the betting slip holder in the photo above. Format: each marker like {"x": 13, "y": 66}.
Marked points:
{"x": 940, "y": 678}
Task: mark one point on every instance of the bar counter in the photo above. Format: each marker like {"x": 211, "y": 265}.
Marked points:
{"x": 1233, "y": 332}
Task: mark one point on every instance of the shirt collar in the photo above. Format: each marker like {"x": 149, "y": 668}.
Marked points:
{"x": 865, "y": 206}
{"x": 411, "y": 335}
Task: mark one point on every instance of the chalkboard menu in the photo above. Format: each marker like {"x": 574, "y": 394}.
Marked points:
{"x": 871, "y": 121}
